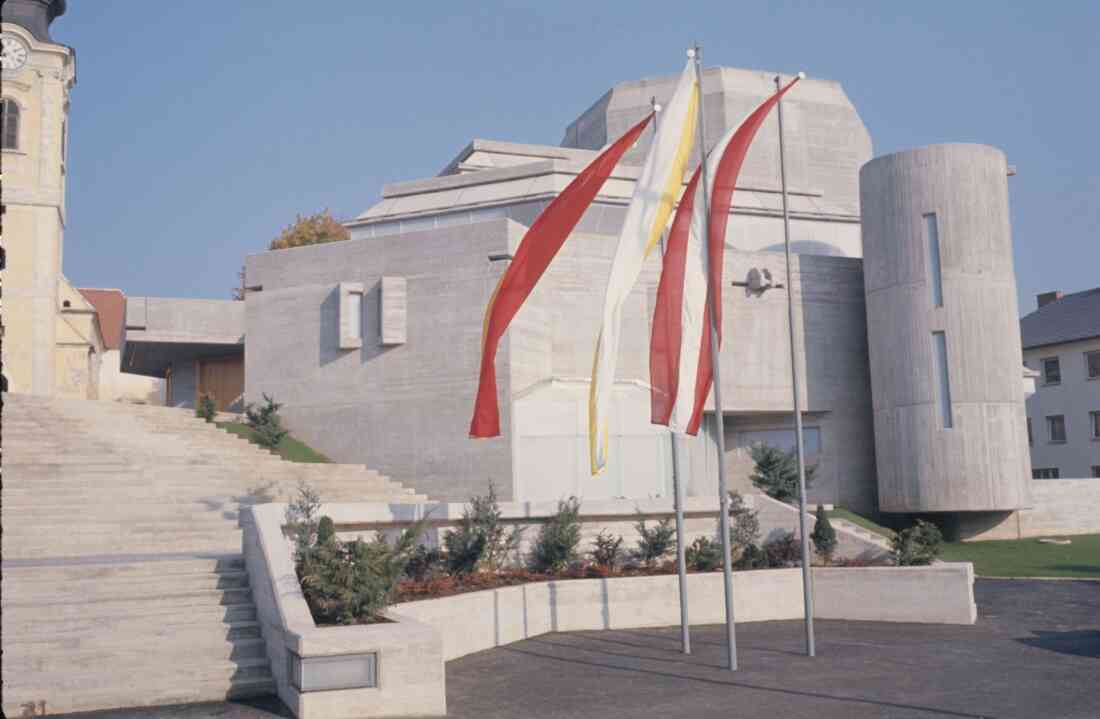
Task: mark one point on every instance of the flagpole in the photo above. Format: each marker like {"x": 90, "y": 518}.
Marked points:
{"x": 720, "y": 428}
{"x": 807, "y": 580}
{"x": 677, "y": 492}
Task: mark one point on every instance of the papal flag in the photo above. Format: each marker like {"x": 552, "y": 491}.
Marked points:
{"x": 680, "y": 357}
{"x": 536, "y": 250}
{"x": 655, "y": 194}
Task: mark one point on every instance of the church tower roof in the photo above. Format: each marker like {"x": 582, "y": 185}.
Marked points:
{"x": 34, "y": 15}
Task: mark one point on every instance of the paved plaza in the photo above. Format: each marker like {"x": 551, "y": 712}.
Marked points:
{"x": 1035, "y": 652}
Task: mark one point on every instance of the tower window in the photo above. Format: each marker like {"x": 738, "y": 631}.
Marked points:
{"x": 9, "y": 112}
{"x": 939, "y": 347}
{"x": 935, "y": 267}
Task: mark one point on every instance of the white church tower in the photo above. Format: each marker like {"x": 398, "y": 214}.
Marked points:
{"x": 38, "y": 75}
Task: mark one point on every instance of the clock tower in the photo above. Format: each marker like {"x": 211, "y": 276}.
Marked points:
{"x": 38, "y": 74}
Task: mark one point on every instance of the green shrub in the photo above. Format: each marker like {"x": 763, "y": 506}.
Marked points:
{"x": 752, "y": 557}
{"x": 775, "y": 472}
{"x": 783, "y": 551}
{"x": 424, "y": 563}
{"x": 301, "y": 518}
{"x": 704, "y": 555}
{"x": 744, "y": 524}
{"x": 266, "y": 423}
{"x": 352, "y": 583}
{"x": 556, "y": 546}
{"x": 481, "y": 537}
{"x": 608, "y": 551}
{"x": 653, "y": 544}
{"x": 206, "y": 408}
{"x": 824, "y": 536}
{"x": 326, "y": 530}
{"x": 918, "y": 545}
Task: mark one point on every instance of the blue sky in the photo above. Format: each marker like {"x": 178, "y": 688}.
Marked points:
{"x": 200, "y": 129}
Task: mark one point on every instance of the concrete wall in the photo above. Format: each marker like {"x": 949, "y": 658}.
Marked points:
{"x": 1073, "y": 398}
{"x": 114, "y": 384}
{"x": 1057, "y": 507}
{"x": 980, "y": 462}
{"x": 378, "y": 405}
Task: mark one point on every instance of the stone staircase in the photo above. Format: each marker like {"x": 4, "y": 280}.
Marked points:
{"x": 123, "y": 582}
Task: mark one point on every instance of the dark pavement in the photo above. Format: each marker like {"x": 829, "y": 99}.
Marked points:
{"x": 1034, "y": 654}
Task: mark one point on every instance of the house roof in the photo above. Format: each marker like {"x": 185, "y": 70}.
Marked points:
{"x": 1069, "y": 319}
{"x": 110, "y": 306}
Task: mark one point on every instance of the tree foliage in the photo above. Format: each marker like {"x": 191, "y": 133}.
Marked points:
{"x": 655, "y": 543}
{"x": 607, "y": 552}
{"x": 266, "y": 422}
{"x": 313, "y": 229}
{"x": 775, "y": 472}
{"x": 824, "y": 536}
{"x": 918, "y": 545}
{"x": 556, "y": 546}
{"x": 481, "y": 539}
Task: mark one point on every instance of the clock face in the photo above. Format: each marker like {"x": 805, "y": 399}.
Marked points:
{"x": 13, "y": 54}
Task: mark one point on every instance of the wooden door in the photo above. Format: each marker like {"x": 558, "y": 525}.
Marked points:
{"x": 223, "y": 380}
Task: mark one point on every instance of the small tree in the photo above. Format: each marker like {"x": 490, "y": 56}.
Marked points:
{"x": 206, "y": 408}
{"x": 918, "y": 545}
{"x": 326, "y": 530}
{"x": 313, "y": 229}
{"x": 481, "y": 537}
{"x": 704, "y": 555}
{"x": 607, "y": 552}
{"x": 301, "y": 518}
{"x": 266, "y": 422}
{"x": 824, "y": 536}
{"x": 465, "y": 545}
{"x": 556, "y": 546}
{"x": 775, "y": 472}
{"x": 744, "y": 524}
{"x": 783, "y": 551}
{"x": 654, "y": 543}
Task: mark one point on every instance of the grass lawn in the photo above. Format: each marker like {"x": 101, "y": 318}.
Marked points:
{"x": 289, "y": 449}
{"x": 841, "y": 513}
{"x": 1030, "y": 558}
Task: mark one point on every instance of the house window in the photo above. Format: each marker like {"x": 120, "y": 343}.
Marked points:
{"x": 939, "y": 346}
{"x": 1056, "y": 428}
{"x": 1096, "y": 471}
{"x": 1030, "y": 436}
{"x": 1052, "y": 371}
{"x": 1044, "y": 473}
{"x": 1094, "y": 424}
{"x": 1092, "y": 365}
{"x": 9, "y": 121}
{"x": 935, "y": 266}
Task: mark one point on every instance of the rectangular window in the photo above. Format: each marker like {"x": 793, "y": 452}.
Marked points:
{"x": 1094, "y": 424}
{"x": 784, "y": 439}
{"x": 1052, "y": 371}
{"x": 935, "y": 267}
{"x": 1092, "y": 365}
{"x": 355, "y": 315}
{"x": 1030, "y": 436}
{"x": 1096, "y": 471}
{"x": 1056, "y": 428}
{"x": 939, "y": 347}
{"x": 1044, "y": 473}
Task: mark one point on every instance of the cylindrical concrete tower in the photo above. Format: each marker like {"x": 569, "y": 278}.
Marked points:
{"x": 943, "y": 331}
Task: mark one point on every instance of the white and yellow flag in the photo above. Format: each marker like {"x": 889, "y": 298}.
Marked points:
{"x": 655, "y": 194}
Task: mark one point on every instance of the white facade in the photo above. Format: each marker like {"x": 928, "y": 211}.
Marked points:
{"x": 1066, "y": 448}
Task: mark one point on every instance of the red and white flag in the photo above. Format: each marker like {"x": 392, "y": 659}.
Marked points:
{"x": 538, "y": 247}
{"x": 680, "y": 353}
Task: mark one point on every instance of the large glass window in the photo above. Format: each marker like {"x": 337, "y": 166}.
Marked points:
{"x": 939, "y": 347}
{"x": 1056, "y": 428}
{"x": 9, "y": 124}
{"x": 1052, "y": 371}
{"x": 784, "y": 439}
{"x": 1092, "y": 365}
{"x": 935, "y": 266}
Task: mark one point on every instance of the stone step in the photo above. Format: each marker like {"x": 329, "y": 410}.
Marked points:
{"x": 65, "y": 603}
{"x": 100, "y": 615}
{"x": 111, "y": 689}
{"x": 79, "y": 659}
{"x": 95, "y": 546}
{"x": 195, "y": 636}
{"x": 91, "y": 588}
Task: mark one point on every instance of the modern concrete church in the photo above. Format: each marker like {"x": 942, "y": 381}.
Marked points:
{"x": 906, "y": 322}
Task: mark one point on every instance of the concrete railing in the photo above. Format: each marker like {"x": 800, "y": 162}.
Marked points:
{"x": 617, "y": 516}
{"x": 396, "y": 668}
